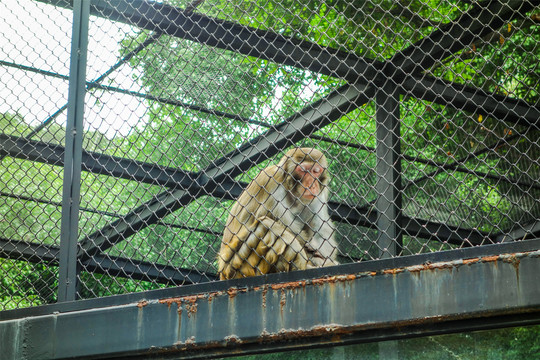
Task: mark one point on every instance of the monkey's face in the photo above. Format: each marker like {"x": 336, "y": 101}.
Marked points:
{"x": 307, "y": 173}
{"x": 310, "y": 180}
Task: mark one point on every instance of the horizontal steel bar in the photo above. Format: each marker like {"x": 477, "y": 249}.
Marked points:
{"x": 106, "y": 264}
{"x": 145, "y": 270}
{"x": 32, "y": 252}
{"x": 96, "y": 163}
{"x": 393, "y": 302}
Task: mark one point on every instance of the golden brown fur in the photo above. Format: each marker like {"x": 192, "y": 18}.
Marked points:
{"x": 280, "y": 221}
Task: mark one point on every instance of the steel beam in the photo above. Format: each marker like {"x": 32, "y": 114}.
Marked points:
{"x": 69, "y": 229}
{"x": 144, "y": 270}
{"x": 366, "y": 303}
{"x": 388, "y": 169}
{"x": 473, "y": 100}
{"x": 106, "y": 264}
{"x": 300, "y": 125}
{"x": 32, "y": 252}
{"x": 481, "y": 20}
{"x": 267, "y": 45}
{"x": 97, "y": 163}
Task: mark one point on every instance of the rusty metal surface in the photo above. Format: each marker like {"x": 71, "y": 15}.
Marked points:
{"x": 364, "y": 306}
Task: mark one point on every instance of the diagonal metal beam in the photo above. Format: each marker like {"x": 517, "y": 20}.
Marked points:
{"x": 139, "y": 218}
{"x": 276, "y": 139}
{"x": 231, "y": 36}
{"x": 441, "y": 42}
{"x": 299, "y": 126}
{"x": 481, "y": 20}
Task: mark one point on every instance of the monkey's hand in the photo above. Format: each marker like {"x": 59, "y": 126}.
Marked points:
{"x": 316, "y": 259}
{"x": 285, "y": 247}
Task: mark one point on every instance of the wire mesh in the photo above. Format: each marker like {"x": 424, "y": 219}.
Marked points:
{"x": 427, "y": 113}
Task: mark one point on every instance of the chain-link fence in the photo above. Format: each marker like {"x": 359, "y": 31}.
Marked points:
{"x": 419, "y": 124}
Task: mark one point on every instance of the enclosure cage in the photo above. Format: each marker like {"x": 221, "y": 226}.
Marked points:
{"x": 129, "y": 128}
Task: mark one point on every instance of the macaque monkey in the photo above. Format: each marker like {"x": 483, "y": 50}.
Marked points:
{"x": 280, "y": 222}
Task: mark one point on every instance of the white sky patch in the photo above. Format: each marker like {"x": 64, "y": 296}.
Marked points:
{"x": 39, "y": 35}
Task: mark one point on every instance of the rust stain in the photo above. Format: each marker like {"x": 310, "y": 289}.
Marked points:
{"x": 282, "y": 300}
{"x": 324, "y": 280}
{"x": 289, "y": 285}
{"x": 334, "y": 331}
{"x": 490, "y": 258}
{"x": 393, "y": 271}
{"x": 441, "y": 265}
{"x": 179, "y": 300}
{"x": 232, "y": 339}
{"x": 191, "y": 309}
{"x": 334, "y": 279}
{"x": 512, "y": 259}
{"x": 142, "y": 304}
{"x": 190, "y": 298}
{"x": 471, "y": 261}
{"x": 416, "y": 268}
{"x": 232, "y": 292}
{"x": 264, "y": 292}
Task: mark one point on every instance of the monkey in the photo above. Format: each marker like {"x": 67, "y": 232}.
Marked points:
{"x": 280, "y": 222}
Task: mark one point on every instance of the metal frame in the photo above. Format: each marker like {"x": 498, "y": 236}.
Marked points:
{"x": 367, "y": 80}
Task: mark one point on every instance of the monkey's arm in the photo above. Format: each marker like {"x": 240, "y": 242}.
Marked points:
{"x": 322, "y": 248}
{"x": 269, "y": 247}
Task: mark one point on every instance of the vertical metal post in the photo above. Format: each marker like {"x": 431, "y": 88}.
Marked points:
{"x": 67, "y": 282}
{"x": 388, "y": 185}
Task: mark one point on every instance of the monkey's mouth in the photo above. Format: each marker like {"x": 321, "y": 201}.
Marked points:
{"x": 312, "y": 188}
